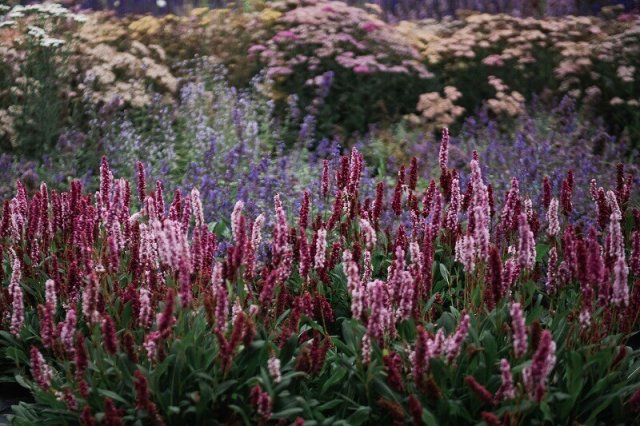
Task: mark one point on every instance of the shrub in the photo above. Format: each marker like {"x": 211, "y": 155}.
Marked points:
{"x": 499, "y": 60}
{"x": 376, "y": 74}
{"x": 454, "y": 309}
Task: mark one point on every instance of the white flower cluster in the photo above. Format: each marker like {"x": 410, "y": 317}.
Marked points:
{"x": 42, "y": 37}
{"x": 43, "y": 11}
{"x": 48, "y": 9}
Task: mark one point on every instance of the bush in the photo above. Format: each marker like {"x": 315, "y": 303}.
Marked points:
{"x": 376, "y": 74}
{"x": 382, "y": 306}
{"x": 497, "y": 61}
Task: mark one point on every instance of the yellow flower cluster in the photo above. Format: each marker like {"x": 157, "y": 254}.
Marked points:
{"x": 118, "y": 69}
{"x": 437, "y": 111}
{"x": 99, "y": 51}
{"x": 505, "y": 102}
{"x": 217, "y": 33}
{"x": 588, "y": 56}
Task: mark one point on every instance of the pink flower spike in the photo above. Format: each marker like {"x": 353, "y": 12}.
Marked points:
{"x": 506, "y": 390}
{"x": 552, "y": 218}
{"x": 520, "y": 342}
{"x": 274, "y": 369}
{"x": 443, "y": 157}
{"x": 40, "y": 371}
{"x": 17, "y": 304}
{"x": 321, "y": 249}
{"x": 535, "y": 376}
{"x": 454, "y": 342}
{"x": 526, "y": 244}
{"x": 196, "y": 202}
{"x": 68, "y": 331}
{"x": 235, "y": 219}
{"x": 465, "y": 253}
{"x": 325, "y": 178}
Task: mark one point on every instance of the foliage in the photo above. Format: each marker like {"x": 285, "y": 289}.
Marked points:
{"x": 376, "y": 74}
{"x": 540, "y": 142}
{"x": 118, "y": 313}
{"x": 497, "y": 61}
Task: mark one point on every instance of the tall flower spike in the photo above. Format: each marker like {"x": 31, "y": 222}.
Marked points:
{"x": 321, "y": 249}
{"x": 354, "y": 285}
{"x": 283, "y": 255}
{"x": 196, "y": 202}
{"x": 17, "y": 304}
{"x": 142, "y": 185}
{"x": 451, "y": 220}
{"x": 380, "y": 317}
{"x": 509, "y": 215}
{"x": 535, "y": 376}
{"x": 620, "y": 287}
{"x": 305, "y": 206}
{"x": 546, "y": 192}
{"x": 454, "y": 343}
{"x": 106, "y": 177}
{"x": 47, "y": 332}
{"x": 40, "y": 371}
{"x": 145, "y": 313}
{"x": 518, "y": 326}
{"x": 506, "y": 390}
{"x": 324, "y": 185}
{"x": 465, "y": 253}
{"x": 366, "y": 349}
{"x": 481, "y": 210}
{"x": 552, "y": 218}
{"x": 369, "y": 234}
{"x": 235, "y": 219}
{"x": 305, "y": 256}
{"x": 566, "y": 194}
{"x": 480, "y": 391}
{"x": 526, "y": 244}
{"x": 110, "y": 340}
{"x": 551, "y": 284}
{"x": 68, "y": 331}
{"x": 443, "y": 157}
{"x": 407, "y": 289}
{"x": 274, "y": 369}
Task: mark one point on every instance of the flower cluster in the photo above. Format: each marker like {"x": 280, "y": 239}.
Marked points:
{"x": 591, "y": 59}
{"x": 155, "y": 291}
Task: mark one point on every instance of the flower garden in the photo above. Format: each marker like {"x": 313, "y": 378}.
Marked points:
{"x": 313, "y": 212}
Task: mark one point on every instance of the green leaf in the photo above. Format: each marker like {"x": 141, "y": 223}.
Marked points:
{"x": 428, "y": 418}
{"x": 444, "y": 272}
{"x": 110, "y": 394}
{"x": 329, "y": 405}
{"x": 334, "y": 379}
{"x": 224, "y": 386}
{"x": 360, "y": 416}
{"x": 22, "y": 382}
{"x": 289, "y": 412}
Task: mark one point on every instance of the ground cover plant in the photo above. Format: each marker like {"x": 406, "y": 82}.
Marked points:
{"x": 420, "y": 302}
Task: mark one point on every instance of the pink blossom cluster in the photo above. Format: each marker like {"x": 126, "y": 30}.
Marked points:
{"x": 308, "y": 35}
{"x": 535, "y": 376}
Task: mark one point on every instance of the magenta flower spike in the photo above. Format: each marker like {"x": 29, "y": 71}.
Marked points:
{"x": 519, "y": 329}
